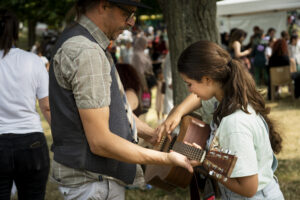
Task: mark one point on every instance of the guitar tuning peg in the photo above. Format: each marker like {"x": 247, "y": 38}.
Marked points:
{"x": 218, "y": 176}
{"x": 225, "y": 179}
{"x": 211, "y": 173}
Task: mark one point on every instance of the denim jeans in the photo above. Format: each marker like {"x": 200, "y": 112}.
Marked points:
{"x": 270, "y": 192}
{"x": 24, "y": 160}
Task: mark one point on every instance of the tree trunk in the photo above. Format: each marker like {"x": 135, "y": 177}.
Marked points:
{"x": 31, "y": 32}
{"x": 187, "y": 21}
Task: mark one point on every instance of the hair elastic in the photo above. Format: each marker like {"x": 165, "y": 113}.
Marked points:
{"x": 230, "y": 62}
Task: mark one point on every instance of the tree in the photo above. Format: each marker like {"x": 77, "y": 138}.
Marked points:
{"x": 187, "y": 21}
{"x": 33, "y": 11}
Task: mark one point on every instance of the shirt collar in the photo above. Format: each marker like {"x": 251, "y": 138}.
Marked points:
{"x": 95, "y": 31}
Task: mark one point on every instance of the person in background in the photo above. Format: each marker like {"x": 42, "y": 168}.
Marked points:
{"x": 268, "y": 51}
{"x": 167, "y": 71}
{"x": 126, "y": 52}
{"x": 93, "y": 128}
{"x": 256, "y": 37}
{"x": 24, "y": 151}
{"x": 270, "y": 34}
{"x": 160, "y": 95}
{"x": 259, "y": 59}
{"x": 240, "y": 122}
{"x": 142, "y": 63}
{"x": 35, "y": 47}
{"x": 132, "y": 86}
{"x": 225, "y": 40}
{"x": 43, "y": 58}
{"x": 235, "y": 47}
{"x": 294, "y": 52}
{"x": 279, "y": 58}
{"x": 285, "y": 35}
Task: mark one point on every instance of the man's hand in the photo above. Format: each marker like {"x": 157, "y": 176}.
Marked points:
{"x": 178, "y": 159}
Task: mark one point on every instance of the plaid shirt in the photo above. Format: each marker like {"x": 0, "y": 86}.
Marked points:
{"x": 84, "y": 67}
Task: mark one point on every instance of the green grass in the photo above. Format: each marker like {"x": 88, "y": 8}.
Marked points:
{"x": 285, "y": 112}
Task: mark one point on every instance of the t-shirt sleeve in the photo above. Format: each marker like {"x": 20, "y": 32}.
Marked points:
{"x": 239, "y": 140}
{"x": 43, "y": 80}
{"x": 92, "y": 80}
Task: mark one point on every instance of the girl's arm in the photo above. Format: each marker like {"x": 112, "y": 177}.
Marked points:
{"x": 189, "y": 104}
{"x": 237, "y": 50}
{"x": 245, "y": 186}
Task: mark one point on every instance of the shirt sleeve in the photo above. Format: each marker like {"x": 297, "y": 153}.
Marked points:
{"x": 81, "y": 66}
{"x": 43, "y": 80}
{"x": 241, "y": 144}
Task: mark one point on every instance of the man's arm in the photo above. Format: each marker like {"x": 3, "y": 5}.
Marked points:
{"x": 104, "y": 143}
{"x": 45, "y": 108}
{"x": 145, "y": 131}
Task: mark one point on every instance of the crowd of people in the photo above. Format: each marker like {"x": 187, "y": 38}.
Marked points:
{"x": 265, "y": 51}
{"x": 98, "y": 83}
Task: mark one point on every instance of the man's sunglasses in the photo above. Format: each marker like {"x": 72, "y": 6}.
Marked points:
{"x": 130, "y": 14}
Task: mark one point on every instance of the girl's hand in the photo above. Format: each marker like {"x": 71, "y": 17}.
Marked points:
{"x": 169, "y": 124}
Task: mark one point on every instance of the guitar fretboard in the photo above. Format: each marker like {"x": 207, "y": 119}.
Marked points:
{"x": 191, "y": 152}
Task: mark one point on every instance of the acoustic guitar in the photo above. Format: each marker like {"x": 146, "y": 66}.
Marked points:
{"x": 218, "y": 163}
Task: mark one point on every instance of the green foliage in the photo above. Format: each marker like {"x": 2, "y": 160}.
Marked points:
{"x": 51, "y": 12}
{"x": 155, "y": 8}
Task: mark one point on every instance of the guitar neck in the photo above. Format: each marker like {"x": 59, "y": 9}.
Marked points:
{"x": 189, "y": 151}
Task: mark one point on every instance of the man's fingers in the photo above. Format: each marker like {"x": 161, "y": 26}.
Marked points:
{"x": 195, "y": 163}
{"x": 160, "y": 131}
{"x": 196, "y": 145}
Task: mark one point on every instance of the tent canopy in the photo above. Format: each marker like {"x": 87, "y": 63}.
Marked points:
{"x": 244, "y": 7}
{"x": 245, "y": 14}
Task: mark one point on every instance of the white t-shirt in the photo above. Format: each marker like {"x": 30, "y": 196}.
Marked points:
{"x": 23, "y": 79}
{"x": 247, "y": 136}
{"x": 44, "y": 60}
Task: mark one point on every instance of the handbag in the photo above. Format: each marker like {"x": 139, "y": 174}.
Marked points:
{"x": 146, "y": 100}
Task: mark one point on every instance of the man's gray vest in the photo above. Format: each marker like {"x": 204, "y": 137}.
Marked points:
{"x": 70, "y": 145}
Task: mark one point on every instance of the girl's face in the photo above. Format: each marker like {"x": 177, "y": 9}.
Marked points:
{"x": 204, "y": 89}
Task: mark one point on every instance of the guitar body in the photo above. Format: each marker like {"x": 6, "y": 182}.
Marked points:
{"x": 165, "y": 177}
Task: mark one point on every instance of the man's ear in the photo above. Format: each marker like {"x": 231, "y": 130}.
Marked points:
{"x": 102, "y": 6}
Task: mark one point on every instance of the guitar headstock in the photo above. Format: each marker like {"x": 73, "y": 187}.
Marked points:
{"x": 219, "y": 163}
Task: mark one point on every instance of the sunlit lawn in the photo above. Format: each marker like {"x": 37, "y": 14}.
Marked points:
{"x": 285, "y": 112}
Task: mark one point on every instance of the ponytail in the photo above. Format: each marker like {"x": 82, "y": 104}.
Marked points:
{"x": 9, "y": 30}
{"x": 239, "y": 91}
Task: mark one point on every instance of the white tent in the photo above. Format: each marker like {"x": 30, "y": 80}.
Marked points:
{"x": 245, "y": 14}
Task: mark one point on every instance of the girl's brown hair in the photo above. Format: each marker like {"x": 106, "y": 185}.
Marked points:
{"x": 236, "y": 35}
{"x": 206, "y": 58}
{"x": 9, "y": 30}
{"x": 280, "y": 48}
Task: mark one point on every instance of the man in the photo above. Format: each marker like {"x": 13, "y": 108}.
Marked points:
{"x": 92, "y": 125}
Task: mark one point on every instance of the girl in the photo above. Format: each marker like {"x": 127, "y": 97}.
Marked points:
{"x": 240, "y": 118}
{"x": 235, "y": 47}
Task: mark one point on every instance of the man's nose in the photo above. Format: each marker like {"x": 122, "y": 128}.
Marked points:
{"x": 131, "y": 22}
